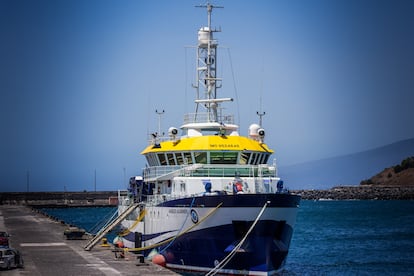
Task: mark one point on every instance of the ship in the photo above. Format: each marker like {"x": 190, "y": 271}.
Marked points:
{"x": 208, "y": 201}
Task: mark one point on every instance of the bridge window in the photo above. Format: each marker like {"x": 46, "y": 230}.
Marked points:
{"x": 151, "y": 159}
{"x": 266, "y": 158}
{"x": 253, "y": 159}
{"x": 179, "y": 158}
{"x": 223, "y": 157}
{"x": 154, "y": 159}
{"x": 244, "y": 158}
{"x": 200, "y": 157}
{"x": 188, "y": 158}
{"x": 171, "y": 160}
{"x": 162, "y": 159}
{"x": 148, "y": 159}
{"x": 259, "y": 158}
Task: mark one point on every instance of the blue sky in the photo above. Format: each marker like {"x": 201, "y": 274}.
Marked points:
{"x": 80, "y": 81}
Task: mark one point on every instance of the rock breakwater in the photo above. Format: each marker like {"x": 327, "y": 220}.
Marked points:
{"x": 362, "y": 192}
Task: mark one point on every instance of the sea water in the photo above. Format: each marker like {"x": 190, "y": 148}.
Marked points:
{"x": 92, "y": 219}
{"x": 330, "y": 237}
{"x": 353, "y": 238}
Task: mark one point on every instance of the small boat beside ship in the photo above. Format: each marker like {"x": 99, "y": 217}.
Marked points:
{"x": 208, "y": 201}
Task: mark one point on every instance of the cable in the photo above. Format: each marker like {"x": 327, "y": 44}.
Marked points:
{"x": 127, "y": 231}
{"x": 235, "y": 88}
{"x": 237, "y": 247}
{"x": 172, "y": 238}
{"x": 182, "y": 226}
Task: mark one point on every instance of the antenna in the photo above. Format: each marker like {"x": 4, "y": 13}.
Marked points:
{"x": 159, "y": 119}
{"x": 209, "y": 10}
{"x": 260, "y": 115}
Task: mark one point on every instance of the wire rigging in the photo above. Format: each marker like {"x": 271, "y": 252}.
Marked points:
{"x": 234, "y": 86}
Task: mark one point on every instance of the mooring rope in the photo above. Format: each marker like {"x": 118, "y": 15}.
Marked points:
{"x": 127, "y": 231}
{"x": 181, "y": 228}
{"x": 225, "y": 261}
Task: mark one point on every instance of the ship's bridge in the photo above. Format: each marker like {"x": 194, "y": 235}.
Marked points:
{"x": 208, "y": 149}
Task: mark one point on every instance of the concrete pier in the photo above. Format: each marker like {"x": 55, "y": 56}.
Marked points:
{"x": 46, "y": 251}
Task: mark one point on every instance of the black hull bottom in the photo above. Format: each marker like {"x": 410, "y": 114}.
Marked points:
{"x": 264, "y": 250}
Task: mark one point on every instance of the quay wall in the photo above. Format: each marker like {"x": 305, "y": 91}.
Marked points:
{"x": 60, "y": 199}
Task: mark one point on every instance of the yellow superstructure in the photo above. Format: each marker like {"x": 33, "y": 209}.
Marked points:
{"x": 209, "y": 143}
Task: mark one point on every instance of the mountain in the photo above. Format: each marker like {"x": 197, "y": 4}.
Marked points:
{"x": 347, "y": 169}
{"x": 401, "y": 175}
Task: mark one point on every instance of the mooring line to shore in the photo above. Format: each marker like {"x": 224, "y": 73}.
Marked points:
{"x": 237, "y": 247}
{"x": 127, "y": 231}
{"x": 181, "y": 229}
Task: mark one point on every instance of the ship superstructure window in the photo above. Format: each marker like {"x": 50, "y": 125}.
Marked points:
{"x": 223, "y": 157}
{"x": 244, "y": 158}
{"x": 182, "y": 187}
{"x": 253, "y": 159}
{"x": 188, "y": 158}
{"x": 148, "y": 159}
{"x": 171, "y": 160}
{"x": 162, "y": 159}
{"x": 155, "y": 159}
{"x": 266, "y": 158}
{"x": 152, "y": 159}
{"x": 200, "y": 157}
{"x": 179, "y": 158}
{"x": 260, "y": 158}
{"x": 211, "y": 157}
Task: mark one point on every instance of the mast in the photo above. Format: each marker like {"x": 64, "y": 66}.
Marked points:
{"x": 207, "y": 82}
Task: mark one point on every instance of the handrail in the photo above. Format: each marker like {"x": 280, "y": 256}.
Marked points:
{"x": 109, "y": 227}
{"x": 202, "y": 117}
{"x": 210, "y": 170}
{"x": 105, "y": 224}
{"x": 94, "y": 230}
{"x": 178, "y": 235}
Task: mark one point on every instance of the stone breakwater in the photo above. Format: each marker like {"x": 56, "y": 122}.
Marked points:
{"x": 60, "y": 199}
{"x": 108, "y": 198}
{"x": 362, "y": 192}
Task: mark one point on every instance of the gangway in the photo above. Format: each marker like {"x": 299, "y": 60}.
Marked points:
{"x": 109, "y": 227}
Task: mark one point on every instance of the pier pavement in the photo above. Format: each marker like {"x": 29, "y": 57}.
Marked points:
{"x": 46, "y": 251}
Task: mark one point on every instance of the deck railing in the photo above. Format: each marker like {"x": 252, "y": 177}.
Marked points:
{"x": 205, "y": 170}
{"x": 203, "y": 117}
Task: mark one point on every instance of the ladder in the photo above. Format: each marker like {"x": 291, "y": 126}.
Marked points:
{"x": 109, "y": 227}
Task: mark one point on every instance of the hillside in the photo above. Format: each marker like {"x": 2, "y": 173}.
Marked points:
{"x": 401, "y": 175}
{"x": 396, "y": 182}
{"x": 348, "y": 169}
